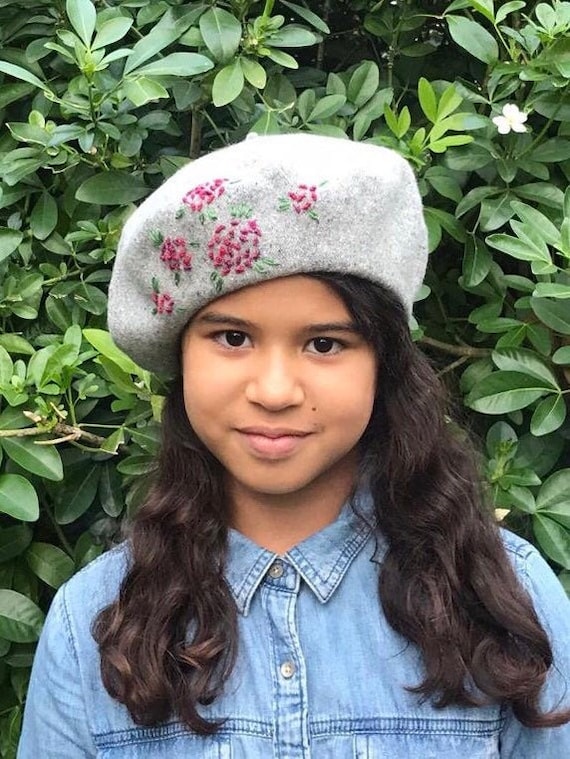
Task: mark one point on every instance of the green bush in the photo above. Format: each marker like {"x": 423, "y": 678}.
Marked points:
{"x": 100, "y": 101}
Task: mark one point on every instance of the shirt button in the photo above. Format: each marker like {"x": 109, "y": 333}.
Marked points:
{"x": 276, "y": 570}
{"x": 287, "y": 669}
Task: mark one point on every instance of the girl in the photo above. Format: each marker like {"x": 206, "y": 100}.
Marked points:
{"x": 314, "y": 574}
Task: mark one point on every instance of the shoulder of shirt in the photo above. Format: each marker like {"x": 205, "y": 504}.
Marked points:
{"x": 515, "y": 545}
{"x": 526, "y": 558}
{"x": 99, "y": 582}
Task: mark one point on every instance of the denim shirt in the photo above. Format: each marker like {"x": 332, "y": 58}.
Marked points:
{"x": 320, "y": 674}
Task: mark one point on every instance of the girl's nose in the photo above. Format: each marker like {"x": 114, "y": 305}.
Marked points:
{"x": 275, "y": 384}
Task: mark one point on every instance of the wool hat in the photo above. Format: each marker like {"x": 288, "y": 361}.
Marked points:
{"x": 267, "y": 207}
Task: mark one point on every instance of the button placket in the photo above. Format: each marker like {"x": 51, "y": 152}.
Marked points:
{"x": 276, "y": 570}
{"x": 280, "y": 597}
{"x": 287, "y": 669}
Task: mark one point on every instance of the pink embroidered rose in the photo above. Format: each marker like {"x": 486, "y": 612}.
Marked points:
{"x": 234, "y": 246}
{"x": 175, "y": 254}
{"x": 204, "y": 194}
{"x": 163, "y": 303}
{"x": 303, "y": 198}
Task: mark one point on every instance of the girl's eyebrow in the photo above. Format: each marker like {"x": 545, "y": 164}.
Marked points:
{"x": 234, "y": 321}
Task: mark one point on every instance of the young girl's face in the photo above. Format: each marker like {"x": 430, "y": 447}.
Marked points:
{"x": 280, "y": 398}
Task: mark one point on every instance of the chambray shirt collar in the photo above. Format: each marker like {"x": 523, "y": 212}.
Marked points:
{"x": 322, "y": 559}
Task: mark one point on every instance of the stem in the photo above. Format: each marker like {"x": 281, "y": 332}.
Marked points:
{"x": 66, "y": 545}
{"x": 195, "y": 133}
{"x": 71, "y": 407}
{"x": 60, "y": 430}
{"x": 456, "y": 350}
{"x": 454, "y": 365}
{"x": 214, "y": 127}
{"x": 268, "y": 10}
{"x": 55, "y": 280}
{"x": 321, "y": 47}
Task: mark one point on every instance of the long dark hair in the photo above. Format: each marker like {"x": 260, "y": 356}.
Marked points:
{"x": 169, "y": 641}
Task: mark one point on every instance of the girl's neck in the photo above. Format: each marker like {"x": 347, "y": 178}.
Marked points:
{"x": 278, "y": 522}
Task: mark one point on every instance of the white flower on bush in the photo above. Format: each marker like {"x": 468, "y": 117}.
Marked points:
{"x": 512, "y": 119}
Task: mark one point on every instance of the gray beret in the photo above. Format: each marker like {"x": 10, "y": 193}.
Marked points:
{"x": 266, "y": 207}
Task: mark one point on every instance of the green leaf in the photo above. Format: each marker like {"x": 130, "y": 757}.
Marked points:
{"x": 474, "y": 38}
{"x": 522, "y": 498}
{"x": 18, "y": 498}
{"x": 103, "y": 342}
{"x": 525, "y": 361}
{"x": 141, "y": 90}
{"x": 363, "y": 83}
{"x": 554, "y": 314}
{"x": 91, "y": 299}
{"x": 6, "y": 368}
{"x": 228, "y": 84}
{"x": 554, "y": 491}
{"x": 327, "y": 107}
{"x": 78, "y": 492}
{"x": 9, "y": 93}
{"x": 113, "y": 188}
{"x": 110, "y": 496}
{"x": 83, "y": 17}
{"x": 16, "y": 344}
{"x": 517, "y": 248}
{"x": 562, "y": 356}
{"x": 14, "y": 541}
{"x": 43, "y": 218}
{"x": 221, "y": 32}
{"x": 111, "y": 31}
{"x": 428, "y": 100}
{"x": 177, "y": 64}
{"x": 476, "y": 262}
{"x": 9, "y": 241}
{"x": 139, "y": 464}
{"x": 552, "y": 290}
{"x": 21, "y": 620}
{"x": 254, "y": 73}
{"x": 49, "y": 563}
{"x": 308, "y": 16}
{"x": 449, "y": 101}
{"x": 553, "y": 539}
{"x": 266, "y": 124}
{"x": 283, "y": 59}
{"x": 485, "y": 7}
{"x": 507, "y": 8}
{"x": 541, "y": 192}
{"x": 20, "y": 73}
{"x": 552, "y": 151}
{"x": 548, "y": 416}
{"x": 292, "y": 36}
{"x": 43, "y": 460}
{"x": 170, "y": 27}
{"x": 503, "y": 392}
{"x": 537, "y": 221}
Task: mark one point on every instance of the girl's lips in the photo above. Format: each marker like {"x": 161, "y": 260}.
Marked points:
{"x": 272, "y": 447}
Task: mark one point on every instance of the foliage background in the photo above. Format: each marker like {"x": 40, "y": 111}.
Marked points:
{"x": 100, "y": 101}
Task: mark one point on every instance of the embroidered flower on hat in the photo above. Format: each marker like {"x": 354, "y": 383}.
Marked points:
{"x": 203, "y": 195}
{"x": 302, "y": 200}
{"x": 163, "y": 302}
{"x": 234, "y": 247}
{"x": 173, "y": 252}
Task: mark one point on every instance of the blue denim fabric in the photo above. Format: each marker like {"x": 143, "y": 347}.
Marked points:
{"x": 320, "y": 673}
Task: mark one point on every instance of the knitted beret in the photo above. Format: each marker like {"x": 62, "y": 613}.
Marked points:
{"x": 266, "y": 207}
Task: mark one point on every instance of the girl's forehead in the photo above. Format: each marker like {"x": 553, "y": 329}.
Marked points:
{"x": 298, "y": 291}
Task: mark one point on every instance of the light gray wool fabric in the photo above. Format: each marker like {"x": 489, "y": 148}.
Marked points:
{"x": 266, "y": 207}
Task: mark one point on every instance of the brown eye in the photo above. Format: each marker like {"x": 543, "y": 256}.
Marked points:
{"x": 325, "y": 345}
{"x": 230, "y": 338}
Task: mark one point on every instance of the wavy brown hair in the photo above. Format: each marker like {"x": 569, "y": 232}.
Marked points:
{"x": 169, "y": 641}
